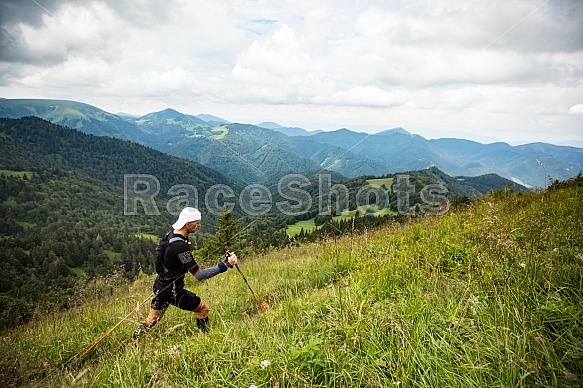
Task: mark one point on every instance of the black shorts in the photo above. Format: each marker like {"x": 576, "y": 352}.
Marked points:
{"x": 173, "y": 294}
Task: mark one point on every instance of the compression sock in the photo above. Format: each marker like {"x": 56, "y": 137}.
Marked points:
{"x": 202, "y": 324}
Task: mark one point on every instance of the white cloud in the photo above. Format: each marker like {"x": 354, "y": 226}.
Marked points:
{"x": 576, "y": 109}
{"x": 75, "y": 73}
{"x": 486, "y": 67}
{"x": 364, "y": 96}
{"x": 280, "y": 59}
{"x": 74, "y": 30}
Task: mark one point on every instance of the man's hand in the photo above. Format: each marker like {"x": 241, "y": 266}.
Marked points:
{"x": 232, "y": 259}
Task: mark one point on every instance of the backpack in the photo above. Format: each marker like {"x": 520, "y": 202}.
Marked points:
{"x": 159, "y": 253}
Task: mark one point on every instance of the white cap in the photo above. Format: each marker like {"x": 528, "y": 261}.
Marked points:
{"x": 188, "y": 214}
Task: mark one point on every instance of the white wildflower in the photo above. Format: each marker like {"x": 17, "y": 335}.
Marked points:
{"x": 265, "y": 364}
{"x": 474, "y": 304}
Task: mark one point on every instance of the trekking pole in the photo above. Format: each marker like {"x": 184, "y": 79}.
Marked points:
{"x": 250, "y": 289}
{"x": 114, "y": 327}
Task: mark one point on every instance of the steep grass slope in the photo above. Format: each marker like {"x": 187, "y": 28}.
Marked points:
{"x": 491, "y": 295}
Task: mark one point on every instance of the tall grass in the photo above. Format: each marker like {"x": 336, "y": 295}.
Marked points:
{"x": 490, "y": 295}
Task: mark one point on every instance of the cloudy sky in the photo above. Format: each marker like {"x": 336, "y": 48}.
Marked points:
{"x": 483, "y": 70}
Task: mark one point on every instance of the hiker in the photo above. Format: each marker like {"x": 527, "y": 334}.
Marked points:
{"x": 176, "y": 261}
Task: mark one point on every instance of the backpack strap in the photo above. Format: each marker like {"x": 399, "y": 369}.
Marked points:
{"x": 174, "y": 239}
{"x": 164, "y": 271}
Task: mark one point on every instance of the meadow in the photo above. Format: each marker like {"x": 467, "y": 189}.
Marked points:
{"x": 488, "y": 294}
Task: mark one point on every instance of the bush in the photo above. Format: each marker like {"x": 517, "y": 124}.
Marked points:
{"x": 13, "y": 311}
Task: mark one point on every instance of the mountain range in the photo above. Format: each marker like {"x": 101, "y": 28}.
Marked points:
{"x": 255, "y": 153}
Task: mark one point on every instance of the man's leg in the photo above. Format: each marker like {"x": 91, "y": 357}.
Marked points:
{"x": 157, "y": 309}
{"x": 189, "y": 301}
{"x": 153, "y": 317}
{"x": 202, "y": 316}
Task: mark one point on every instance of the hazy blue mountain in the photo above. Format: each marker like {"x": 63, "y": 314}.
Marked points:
{"x": 289, "y": 131}
{"x": 252, "y": 154}
{"x": 244, "y": 152}
{"x": 169, "y": 115}
{"x": 519, "y": 163}
{"x": 270, "y": 125}
{"x": 248, "y": 153}
{"x": 393, "y": 131}
{"x": 212, "y": 120}
{"x": 332, "y": 157}
{"x": 343, "y": 137}
{"x": 124, "y": 114}
{"x": 405, "y": 151}
{"x": 401, "y": 151}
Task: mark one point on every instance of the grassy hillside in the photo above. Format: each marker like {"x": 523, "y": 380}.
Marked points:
{"x": 491, "y": 295}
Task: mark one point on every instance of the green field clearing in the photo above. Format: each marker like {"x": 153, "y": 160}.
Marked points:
{"x": 307, "y": 225}
{"x": 151, "y": 236}
{"x": 221, "y": 132}
{"x": 112, "y": 255}
{"x": 26, "y": 225}
{"x": 381, "y": 181}
{"x": 79, "y": 272}
{"x": 19, "y": 174}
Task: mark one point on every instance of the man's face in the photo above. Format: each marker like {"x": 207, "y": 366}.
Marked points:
{"x": 191, "y": 227}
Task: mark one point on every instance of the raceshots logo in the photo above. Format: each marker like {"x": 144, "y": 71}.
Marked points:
{"x": 292, "y": 197}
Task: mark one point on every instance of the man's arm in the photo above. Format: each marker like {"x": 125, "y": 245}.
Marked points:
{"x": 203, "y": 274}
{"x": 207, "y": 273}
